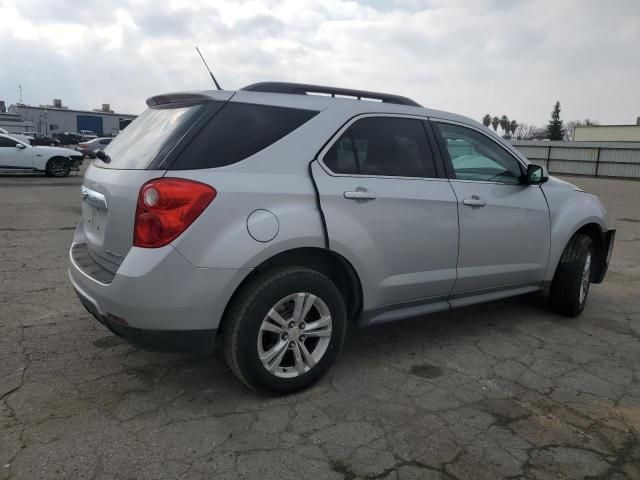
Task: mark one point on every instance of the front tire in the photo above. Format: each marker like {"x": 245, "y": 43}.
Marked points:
{"x": 570, "y": 286}
{"x": 284, "y": 329}
{"x": 58, "y": 167}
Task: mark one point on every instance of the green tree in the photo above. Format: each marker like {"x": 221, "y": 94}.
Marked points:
{"x": 486, "y": 120}
{"x": 495, "y": 121}
{"x": 555, "y": 128}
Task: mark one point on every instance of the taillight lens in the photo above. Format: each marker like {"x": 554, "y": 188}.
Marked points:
{"x": 82, "y": 145}
{"x": 166, "y": 207}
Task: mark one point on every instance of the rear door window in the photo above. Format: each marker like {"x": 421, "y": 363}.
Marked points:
{"x": 341, "y": 157}
{"x": 238, "y": 131}
{"x": 383, "y": 146}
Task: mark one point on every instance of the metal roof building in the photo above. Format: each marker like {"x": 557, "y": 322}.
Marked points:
{"x": 608, "y": 133}
{"x": 57, "y": 118}
{"x": 13, "y": 123}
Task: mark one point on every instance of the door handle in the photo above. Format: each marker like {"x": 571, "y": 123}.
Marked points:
{"x": 360, "y": 195}
{"x": 475, "y": 201}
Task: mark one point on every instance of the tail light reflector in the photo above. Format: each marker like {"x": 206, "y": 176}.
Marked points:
{"x": 166, "y": 207}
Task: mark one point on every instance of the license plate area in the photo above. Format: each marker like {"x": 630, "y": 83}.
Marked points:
{"x": 94, "y": 213}
{"x": 95, "y": 223}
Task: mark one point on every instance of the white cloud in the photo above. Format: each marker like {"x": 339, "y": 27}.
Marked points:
{"x": 472, "y": 58}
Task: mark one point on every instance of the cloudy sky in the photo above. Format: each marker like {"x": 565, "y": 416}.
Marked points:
{"x": 471, "y": 57}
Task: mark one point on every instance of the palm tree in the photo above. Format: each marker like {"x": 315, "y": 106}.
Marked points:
{"x": 505, "y": 124}
{"x": 514, "y": 126}
{"x": 486, "y": 120}
{"x": 495, "y": 121}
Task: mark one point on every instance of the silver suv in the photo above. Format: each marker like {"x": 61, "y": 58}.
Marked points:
{"x": 272, "y": 216}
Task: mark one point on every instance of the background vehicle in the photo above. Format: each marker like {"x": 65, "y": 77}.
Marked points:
{"x": 68, "y": 138}
{"x": 272, "y": 216}
{"x": 87, "y": 134}
{"x": 19, "y": 156}
{"x": 43, "y": 140}
{"x": 88, "y": 148}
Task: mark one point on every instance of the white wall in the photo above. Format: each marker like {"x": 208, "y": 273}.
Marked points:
{"x": 608, "y": 133}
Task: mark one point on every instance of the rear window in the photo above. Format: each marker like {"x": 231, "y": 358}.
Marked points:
{"x": 238, "y": 131}
{"x": 153, "y": 132}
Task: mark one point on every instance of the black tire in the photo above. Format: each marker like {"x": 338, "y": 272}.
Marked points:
{"x": 565, "y": 294}
{"x": 245, "y": 316}
{"x": 58, "y": 167}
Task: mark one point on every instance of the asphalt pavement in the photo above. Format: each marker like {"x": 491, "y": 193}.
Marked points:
{"x": 500, "y": 390}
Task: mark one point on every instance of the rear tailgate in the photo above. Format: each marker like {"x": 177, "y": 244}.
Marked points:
{"x": 110, "y": 188}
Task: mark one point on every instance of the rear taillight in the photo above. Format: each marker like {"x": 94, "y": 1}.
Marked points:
{"x": 166, "y": 207}
{"x": 83, "y": 145}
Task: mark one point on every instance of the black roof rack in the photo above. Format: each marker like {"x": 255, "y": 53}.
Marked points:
{"x": 305, "y": 89}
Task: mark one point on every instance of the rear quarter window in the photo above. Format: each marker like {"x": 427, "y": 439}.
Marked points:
{"x": 238, "y": 131}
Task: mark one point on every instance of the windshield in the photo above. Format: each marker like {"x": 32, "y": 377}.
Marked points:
{"x": 144, "y": 138}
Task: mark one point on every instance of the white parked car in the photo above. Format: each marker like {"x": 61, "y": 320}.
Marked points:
{"x": 18, "y": 156}
{"x": 19, "y": 136}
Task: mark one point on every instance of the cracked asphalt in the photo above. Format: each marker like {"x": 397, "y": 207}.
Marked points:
{"x": 500, "y": 390}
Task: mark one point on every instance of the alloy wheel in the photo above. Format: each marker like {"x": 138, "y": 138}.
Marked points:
{"x": 58, "y": 167}
{"x": 294, "y": 335}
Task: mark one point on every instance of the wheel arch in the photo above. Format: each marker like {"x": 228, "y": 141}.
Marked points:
{"x": 595, "y": 231}
{"x": 571, "y": 212}
{"x": 327, "y": 262}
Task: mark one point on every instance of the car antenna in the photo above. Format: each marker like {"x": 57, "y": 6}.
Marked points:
{"x": 208, "y": 69}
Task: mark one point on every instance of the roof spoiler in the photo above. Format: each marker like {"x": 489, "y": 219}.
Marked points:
{"x": 179, "y": 97}
{"x": 306, "y": 89}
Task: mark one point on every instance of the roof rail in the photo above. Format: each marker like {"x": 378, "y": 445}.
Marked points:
{"x": 306, "y": 89}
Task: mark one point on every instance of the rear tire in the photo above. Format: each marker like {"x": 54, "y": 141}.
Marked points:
{"x": 570, "y": 286}
{"x": 58, "y": 167}
{"x": 291, "y": 349}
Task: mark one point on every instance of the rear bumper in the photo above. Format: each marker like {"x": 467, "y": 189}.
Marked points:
{"x": 608, "y": 239}
{"x": 191, "y": 341}
{"x": 158, "y": 300}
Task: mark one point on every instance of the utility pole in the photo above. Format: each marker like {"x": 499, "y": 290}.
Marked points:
{"x": 20, "y": 90}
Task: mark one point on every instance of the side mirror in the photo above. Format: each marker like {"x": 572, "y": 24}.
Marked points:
{"x": 535, "y": 175}
{"x": 20, "y": 146}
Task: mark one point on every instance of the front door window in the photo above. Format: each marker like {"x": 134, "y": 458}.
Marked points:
{"x": 476, "y": 157}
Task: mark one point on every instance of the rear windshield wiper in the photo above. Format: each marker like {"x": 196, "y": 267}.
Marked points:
{"x": 103, "y": 156}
